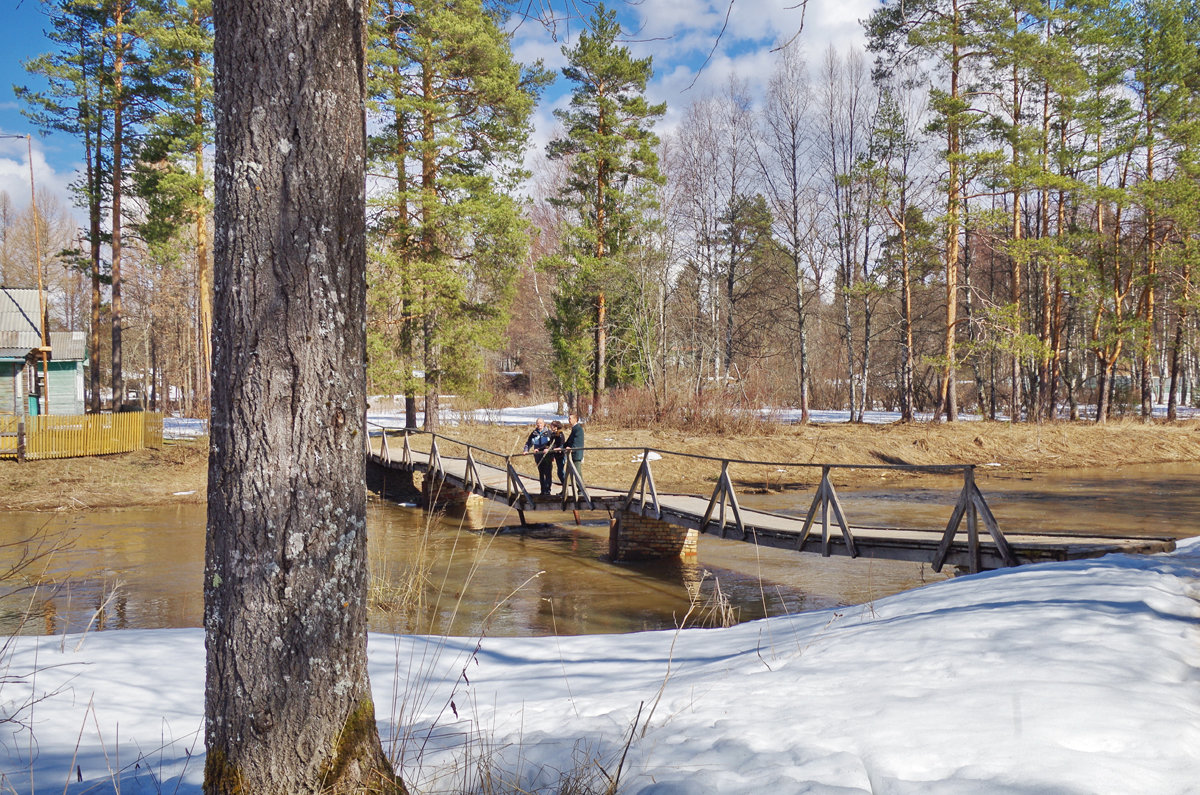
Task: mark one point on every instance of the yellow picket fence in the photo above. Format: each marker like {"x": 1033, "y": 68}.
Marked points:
{"x": 79, "y": 435}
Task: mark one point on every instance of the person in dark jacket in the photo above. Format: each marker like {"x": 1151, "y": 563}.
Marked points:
{"x": 574, "y": 441}
{"x": 556, "y": 451}
{"x": 539, "y": 444}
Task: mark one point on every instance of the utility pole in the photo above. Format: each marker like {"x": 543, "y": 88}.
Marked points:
{"x": 44, "y": 348}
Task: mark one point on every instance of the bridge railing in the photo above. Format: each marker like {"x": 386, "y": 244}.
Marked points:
{"x": 971, "y": 504}
{"x": 574, "y": 493}
{"x": 723, "y": 511}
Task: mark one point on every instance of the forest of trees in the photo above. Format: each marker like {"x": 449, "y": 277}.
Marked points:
{"x": 994, "y": 209}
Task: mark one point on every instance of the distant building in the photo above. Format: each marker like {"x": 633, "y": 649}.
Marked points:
{"x": 22, "y": 387}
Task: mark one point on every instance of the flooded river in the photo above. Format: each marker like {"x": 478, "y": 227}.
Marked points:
{"x": 142, "y": 568}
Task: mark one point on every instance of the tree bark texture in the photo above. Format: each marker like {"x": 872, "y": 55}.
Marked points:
{"x": 287, "y": 701}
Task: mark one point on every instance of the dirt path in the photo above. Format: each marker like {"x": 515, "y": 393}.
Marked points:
{"x": 177, "y": 473}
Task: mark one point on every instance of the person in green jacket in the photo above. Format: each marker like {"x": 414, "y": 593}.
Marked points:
{"x": 574, "y": 442}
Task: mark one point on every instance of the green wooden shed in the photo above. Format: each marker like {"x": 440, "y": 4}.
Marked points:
{"x": 23, "y": 387}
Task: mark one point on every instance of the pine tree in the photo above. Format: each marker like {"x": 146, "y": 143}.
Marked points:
{"x": 610, "y": 148}
{"x": 288, "y": 706}
{"x": 453, "y": 110}
{"x": 944, "y": 32}
{"x": 169, "y": 175}
{"x": 892, "y": 169}
{"x": 76, "y": 102}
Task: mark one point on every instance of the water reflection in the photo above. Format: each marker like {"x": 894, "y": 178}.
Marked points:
{"x": 142, "y": 568}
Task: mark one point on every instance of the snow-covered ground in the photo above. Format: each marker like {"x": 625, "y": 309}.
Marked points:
{"x": 377, "y": 418}
{"x": 1079, "y": 677}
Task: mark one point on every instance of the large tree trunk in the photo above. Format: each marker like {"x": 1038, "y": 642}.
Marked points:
{"x": 288, "y": 705}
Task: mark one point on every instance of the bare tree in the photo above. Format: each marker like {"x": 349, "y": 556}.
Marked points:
{"x": 783, "y": 159}
{"x": 846, "y": 107}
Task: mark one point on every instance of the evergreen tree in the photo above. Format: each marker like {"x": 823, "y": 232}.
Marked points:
{"x": 288, "y": 706}
{"x": 133, "y": 87}
{"x": 76, "y": 102}
{"x": 169, "y": 176}
{"x": 943, "y": 34}
{"x": 104, "y": 84}
{"x": 613, "y": 168}
{"x": 893, "y": 170}
{"x": 452, "y": 107}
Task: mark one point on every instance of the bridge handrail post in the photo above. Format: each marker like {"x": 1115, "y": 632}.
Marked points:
{"x": 435, "y": 460}
{"x": 516, "y": 490}
{"x": 960, "y": 510}
{"x": 723, "y": 493}
{"x": 472, "y": 478}
{"x": 989, "y": 520}
{"x": 823, "y": 490}
{"x": 832, "y": 500}
{"x": 575, "y": 484}
{"x": 972, "y": 504}
{"x": 644, "y": 478}
{"x": 408, "y": 458}
{"x": 384, "y": 450}
{"x": 826, "y": 498}
{"x": 969, "y": 487}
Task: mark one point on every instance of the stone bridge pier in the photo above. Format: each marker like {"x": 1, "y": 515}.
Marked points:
{"x": 468, "y": 508}
{"x": 633, "y": 537}
{"x": 392, "y": 482}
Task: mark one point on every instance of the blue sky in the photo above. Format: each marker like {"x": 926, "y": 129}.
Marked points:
{"x": 679, "y": 34}
{"x": 55, "y": 158}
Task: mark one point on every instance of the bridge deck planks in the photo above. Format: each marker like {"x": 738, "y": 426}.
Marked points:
{"x": 784, "y": 530}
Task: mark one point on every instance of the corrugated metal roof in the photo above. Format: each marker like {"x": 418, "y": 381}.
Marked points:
{"x": 68, "y": 346}
{"x": 20, "y": 332}
{"x": 19, "y": 327}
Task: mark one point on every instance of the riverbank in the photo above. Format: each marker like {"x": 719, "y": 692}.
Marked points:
{"x": 178, "y": 472}
{"x": 1062, "y": 677}
{"x": 1002, "y": 447}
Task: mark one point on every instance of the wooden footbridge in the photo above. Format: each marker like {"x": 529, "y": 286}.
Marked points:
{"x": 972, "y": 539}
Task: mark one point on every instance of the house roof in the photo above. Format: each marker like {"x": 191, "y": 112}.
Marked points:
{"x": 68, "y": 346}
{"x": 19, "y": 330}
{"x": 21, "y": 333}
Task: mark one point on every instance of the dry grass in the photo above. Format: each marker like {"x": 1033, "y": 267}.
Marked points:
{"x": 1021, "y": 448}
{"x": 178, "y": 472}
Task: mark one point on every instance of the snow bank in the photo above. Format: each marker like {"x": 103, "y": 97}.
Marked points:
{"x": 1070, "y": 677}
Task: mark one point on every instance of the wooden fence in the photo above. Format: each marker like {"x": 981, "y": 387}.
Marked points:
{"x": 49, "y": 436}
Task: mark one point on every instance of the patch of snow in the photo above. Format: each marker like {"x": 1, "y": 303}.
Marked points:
{"x": 1063, "y": 677}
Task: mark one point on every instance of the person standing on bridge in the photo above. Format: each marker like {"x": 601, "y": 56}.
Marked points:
{"x": 556, "y": 451}
{"x": 539, "y": 443}
{"x": 574, "y": 442}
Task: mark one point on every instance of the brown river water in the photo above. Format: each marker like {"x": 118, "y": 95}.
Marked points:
{"x": 142, "y": 567}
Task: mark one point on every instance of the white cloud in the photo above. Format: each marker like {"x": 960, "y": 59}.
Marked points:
{"x": 14, "y": 172}
{"x": 693, "y": 57}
